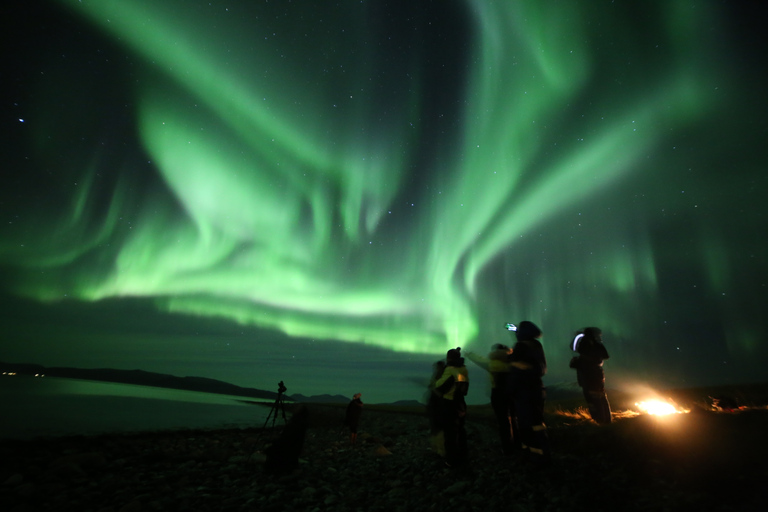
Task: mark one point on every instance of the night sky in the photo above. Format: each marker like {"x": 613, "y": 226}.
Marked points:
{"x": 334, "y": 193}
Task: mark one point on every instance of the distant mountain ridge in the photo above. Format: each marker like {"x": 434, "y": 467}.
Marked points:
{"x": 140, "y": 377}
{"x": 163, "y": 380}
{"x": 320, "y": 399}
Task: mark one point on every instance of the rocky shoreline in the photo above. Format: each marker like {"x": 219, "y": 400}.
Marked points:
{"x": 391, "y": 468}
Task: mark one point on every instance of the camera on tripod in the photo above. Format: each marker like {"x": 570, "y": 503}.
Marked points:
{"x": 277, "y": 407}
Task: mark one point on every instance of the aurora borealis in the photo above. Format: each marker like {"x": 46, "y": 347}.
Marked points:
{"x": 344, "y": 190}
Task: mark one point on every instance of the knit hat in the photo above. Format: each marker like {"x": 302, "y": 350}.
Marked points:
{"x": 593, "y": 333}
{"x": 527, "y": 331}
{"x": 454, "y": 354}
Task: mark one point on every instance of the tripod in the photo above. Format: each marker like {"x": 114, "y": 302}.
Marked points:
{"x": 277, "y": 407}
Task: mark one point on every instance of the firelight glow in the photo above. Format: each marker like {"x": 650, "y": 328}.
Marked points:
{"x": 658, "y": 408}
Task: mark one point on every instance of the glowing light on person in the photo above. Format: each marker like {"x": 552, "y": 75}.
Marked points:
{"x": 576, "y": 340}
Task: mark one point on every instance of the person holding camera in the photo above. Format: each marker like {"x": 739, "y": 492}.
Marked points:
{"x": 497, "y": 366}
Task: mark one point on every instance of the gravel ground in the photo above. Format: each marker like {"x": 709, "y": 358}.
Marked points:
{"x": 705, "y": 461}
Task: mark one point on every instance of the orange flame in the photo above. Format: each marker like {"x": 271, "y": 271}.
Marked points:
{"x": 658, "y": 408}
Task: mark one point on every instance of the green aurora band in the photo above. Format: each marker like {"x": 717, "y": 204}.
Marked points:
{"x": 287, "y": 154}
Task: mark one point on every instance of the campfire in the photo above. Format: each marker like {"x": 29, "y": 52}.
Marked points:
{"x": 659, "y": 407}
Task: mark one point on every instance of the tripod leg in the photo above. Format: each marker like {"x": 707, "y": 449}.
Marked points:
{"x": 272, "y": 414}
{"x": 275, "y": 409}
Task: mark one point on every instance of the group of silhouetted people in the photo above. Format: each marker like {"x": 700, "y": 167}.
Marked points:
{"x": 517, "y": 393}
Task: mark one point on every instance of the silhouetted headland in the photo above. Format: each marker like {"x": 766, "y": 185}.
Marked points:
{"x": 139, "y": 377}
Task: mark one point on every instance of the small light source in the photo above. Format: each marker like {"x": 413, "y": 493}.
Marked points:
{"x": 511, "y": 327}
{"x": 576, "y": 341}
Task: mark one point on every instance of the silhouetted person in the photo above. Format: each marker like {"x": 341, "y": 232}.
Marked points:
{"x": 498, "y": 366}
{"x": 589, "y": 373}
{"x": 453, "y": 408}
{"x": 352, "y": 416}
{"x": 434, "y": 399}
{"x": 283, "y": 454}
{"x": 528, "y": 366}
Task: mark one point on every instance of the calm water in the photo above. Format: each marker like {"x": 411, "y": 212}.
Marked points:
{"x": 50, "y": 406}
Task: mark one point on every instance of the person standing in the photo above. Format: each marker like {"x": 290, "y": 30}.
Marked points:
{"x": 453, "y": 408}
{"x": 352, "y": 416}
{"x": 497, "y": 365}
{"x": 590, "y": 374}
{"x": 434, "y": 399}
{"x": 527, "y": 367}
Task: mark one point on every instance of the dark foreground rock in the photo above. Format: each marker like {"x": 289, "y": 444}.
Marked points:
{"x": 701, "y": 461}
